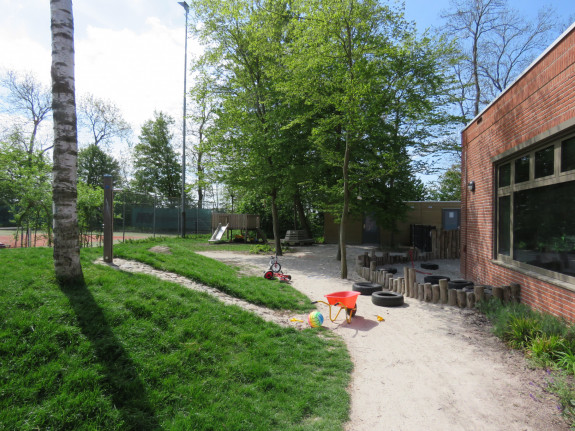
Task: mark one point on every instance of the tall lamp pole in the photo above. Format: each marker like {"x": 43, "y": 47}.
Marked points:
{"x": 187, "y": 8}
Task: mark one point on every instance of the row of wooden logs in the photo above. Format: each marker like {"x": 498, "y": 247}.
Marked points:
{"x": 438, "y": 293}
{"x": 387, "y": 257}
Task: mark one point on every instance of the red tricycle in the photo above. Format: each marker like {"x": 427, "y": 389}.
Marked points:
{"x": 275, "y": 271}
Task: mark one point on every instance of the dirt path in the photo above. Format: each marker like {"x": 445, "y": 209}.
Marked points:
{"x": 426, "y": 366}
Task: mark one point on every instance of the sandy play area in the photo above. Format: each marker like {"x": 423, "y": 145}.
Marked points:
{"x": 425, "y": 366}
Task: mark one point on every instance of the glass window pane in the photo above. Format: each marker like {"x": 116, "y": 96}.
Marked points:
{"x": 545, "y": 162}
{"x": 544, "y": 227}
{"x": 568, "y": 155}
{"x": 522, "y": 169}
{"x": 505, "y": 175}
{"x": 504, "y": 242}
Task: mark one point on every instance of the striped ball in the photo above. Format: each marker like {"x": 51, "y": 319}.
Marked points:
{"x": 315, "y": 319}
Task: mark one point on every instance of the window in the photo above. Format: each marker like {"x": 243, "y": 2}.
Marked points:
{"x": 505, "y": 175}
{"x": 545, "y": 162}
{"x": 504, "y": 246}
{"x": 535, "y": 209}
{"x": 568, "y": 155}
{"x": 522, "y": 169}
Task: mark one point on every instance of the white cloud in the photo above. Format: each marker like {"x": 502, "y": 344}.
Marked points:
{"x": 138, "y": 72}
{"x": 134, "y": 61}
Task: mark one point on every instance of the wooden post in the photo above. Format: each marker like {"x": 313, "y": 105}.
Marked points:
{"x": 515, "y": 292}
{"x": 461, "y": 298}
{"x": 401, "y": 285}
{"x": 443, "y": 291}
{"x": 470, "y": 299}
{"x": 108, "y": 219}
{"x": 452, "y": 296}
{"x": 479, "y": 292}
{"x": 506, "y": 294}
{"x": 427, "y": 292}
{"x": 435, "y": 293}
{"x": 498, "y": 293}
{"x": 372, "y": 266}
{"x": 411, "y": 280}
{"x": 420, "y": 292}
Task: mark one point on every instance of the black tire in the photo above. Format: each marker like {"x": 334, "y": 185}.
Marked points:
{"x": 431, "y": 266}
{"x": 350, "y": 312}
{"x": 434, "y": 279}
{"x": 390, "y": 270}
{"x": 459, "y": 284}
{"x": 276, "y": 267}
{"x": 387, "y": 299}
{"x": 366, "y": 288}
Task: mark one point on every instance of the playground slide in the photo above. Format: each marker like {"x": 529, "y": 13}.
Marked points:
{"x": 218, "y": 233}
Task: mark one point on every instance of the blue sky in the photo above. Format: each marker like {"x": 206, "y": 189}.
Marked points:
{"x": 132, "y": 51}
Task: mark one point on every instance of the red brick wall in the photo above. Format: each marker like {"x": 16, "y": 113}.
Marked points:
{"x": 541, "y": 99}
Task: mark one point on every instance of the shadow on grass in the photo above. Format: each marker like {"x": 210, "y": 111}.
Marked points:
{"x": 121, "y": 379}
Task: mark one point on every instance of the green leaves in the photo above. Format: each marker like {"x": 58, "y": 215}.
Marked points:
{"x": 156, "y": 165}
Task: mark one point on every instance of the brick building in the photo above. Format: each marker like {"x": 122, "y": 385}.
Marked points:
{"x": 518, "y": 175}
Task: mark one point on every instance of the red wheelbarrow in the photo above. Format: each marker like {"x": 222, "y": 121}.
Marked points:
{"x": 345, "y": 300}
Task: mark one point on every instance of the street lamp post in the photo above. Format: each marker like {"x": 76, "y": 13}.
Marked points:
{"x": 187, "y": 8}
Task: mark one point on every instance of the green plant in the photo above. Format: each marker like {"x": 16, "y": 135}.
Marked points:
{"x": 522, "y": 331}
{"x": 546, "y": 348}
{"x": 260, "y": 249}
{"x": 566, "y": 360}
{"x": 561, "y": 385}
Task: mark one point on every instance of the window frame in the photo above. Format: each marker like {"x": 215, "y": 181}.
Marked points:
{"x": 557, "y": 177}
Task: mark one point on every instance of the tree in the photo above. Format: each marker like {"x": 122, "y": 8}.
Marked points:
{"x": 156, "y": 166}
{"x": 94, "y": 163}
{"x": 103, "y": 119}
{"x": 498, "y": 43}
{"x": 376, "y": 86}
{"x": 28, "y": 98}
{"x": 244, "y": 46}
{"x": 204, "y": 103}
{"x": 448, "y": 186}
{"x": 90, "y": 217}
{"x": 25, "y": 187}
{"x": 67, "y": 264}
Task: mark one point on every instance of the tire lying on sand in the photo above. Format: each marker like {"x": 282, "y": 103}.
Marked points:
{"x": 431, "y": 266}
{"x": 434, "y": 279}
{"x": 459, "y": 284}
{"x": 390, "y": 270}
{"x": 366, "y": 288}
{"x": 387, "y": 299}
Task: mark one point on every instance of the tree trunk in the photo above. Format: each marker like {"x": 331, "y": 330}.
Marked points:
{"x": 343, "y": 222}
{"x": 67, "y": 264}
{"x": 276, "y": 228}
{"x": 200, "y": 177}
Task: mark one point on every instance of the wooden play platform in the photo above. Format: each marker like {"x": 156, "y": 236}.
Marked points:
{"x": 223, "y": 223}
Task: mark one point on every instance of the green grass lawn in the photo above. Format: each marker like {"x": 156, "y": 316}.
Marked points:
{"x": 128, "y": 351}
{"x": 184, "y": 261}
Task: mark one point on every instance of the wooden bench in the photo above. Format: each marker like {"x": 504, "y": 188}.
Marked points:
{"x": 296, "y": 237}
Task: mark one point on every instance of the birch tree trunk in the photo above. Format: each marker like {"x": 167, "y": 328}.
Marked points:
{"x": 67, "y": 264}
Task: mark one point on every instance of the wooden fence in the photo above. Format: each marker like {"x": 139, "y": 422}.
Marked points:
{"x": 445, "y": 244}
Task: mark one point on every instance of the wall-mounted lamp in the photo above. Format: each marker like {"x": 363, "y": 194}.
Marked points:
{"x": 471, "y": 186}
